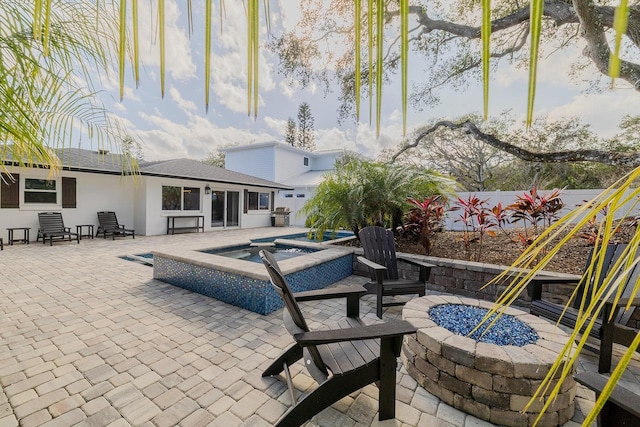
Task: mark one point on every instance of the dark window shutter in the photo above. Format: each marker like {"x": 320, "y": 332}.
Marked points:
{"x": 10, "y": 191}
{"x": 273, "y": 200}
{"x": 246, "y": 201}
{"x": 68, "y": 192}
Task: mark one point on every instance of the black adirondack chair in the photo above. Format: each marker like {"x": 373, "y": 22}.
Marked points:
{"x": 607, "y": 330}
{"x": 380, "y": 257}
{"x": 108, "y": 225}
{"x": 620, "y": 409}
{"x": 52, "y": 227}
{"x": 340, "y": 360}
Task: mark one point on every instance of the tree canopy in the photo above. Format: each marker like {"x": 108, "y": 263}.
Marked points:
{"x": 446, "y": 35}
{"x": 501, "y": 154}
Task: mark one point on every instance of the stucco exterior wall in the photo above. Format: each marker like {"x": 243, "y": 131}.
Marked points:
{"x": 94, "y": 192}
{"x": 137, "y": 202}
{"x": 289, "y": 163}
{"x": 259, "y": 162}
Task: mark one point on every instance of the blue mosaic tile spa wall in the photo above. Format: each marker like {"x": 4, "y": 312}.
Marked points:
{"x": 246, "y": 292}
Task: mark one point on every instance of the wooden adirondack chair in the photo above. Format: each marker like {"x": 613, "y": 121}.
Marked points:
{"x": 52, "y": 227}
{"x": 380, "y": 257}
{"x": 340, "y": 360}
{"x": 108, "y": 224}
{"x": 608, "y": 331}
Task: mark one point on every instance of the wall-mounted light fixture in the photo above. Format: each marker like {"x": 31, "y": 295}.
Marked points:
{"x": 207, "y": 189}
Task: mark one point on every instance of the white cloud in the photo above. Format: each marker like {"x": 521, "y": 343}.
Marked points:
{"x": 602, "y": 111}
{"x": 182, "y": 103}
{"x": 229, "y": 61}
{"x": 279, "y": 126}
{"x": 178, "y": 62}
{"x": 195, "y": 139}
{"x": 554, "y": 69}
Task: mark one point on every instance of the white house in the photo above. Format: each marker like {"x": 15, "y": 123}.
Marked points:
{"x": 301, "y": 170}
{"x": 92, "y": 181}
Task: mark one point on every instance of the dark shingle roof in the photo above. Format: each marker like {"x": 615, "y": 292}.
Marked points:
{"x": 193, "y": 169}
{"x": 111, "y": 163}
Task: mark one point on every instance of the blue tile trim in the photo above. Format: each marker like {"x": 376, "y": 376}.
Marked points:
{"x": 246, "y": 292}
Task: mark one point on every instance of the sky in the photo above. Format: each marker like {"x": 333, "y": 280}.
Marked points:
{"x": 178, "y": 125}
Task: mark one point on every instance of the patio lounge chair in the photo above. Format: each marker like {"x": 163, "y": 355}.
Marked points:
{"x": 340, "y": 360}
{"x": 380, "y": 257}
{"x": 607, "y": 331}
{"x": 108, "y": 225}
{"x": 52, "y": 227}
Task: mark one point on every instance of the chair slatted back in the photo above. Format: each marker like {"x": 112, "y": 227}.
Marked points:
{"x": 379, "y": 247}
{"x": 294, "y": 320}
{"x": 631, "y": 280}
{"x": 611, "y": 257}
{"x": 51, "y": 222}
{"x": 108, "y": 220}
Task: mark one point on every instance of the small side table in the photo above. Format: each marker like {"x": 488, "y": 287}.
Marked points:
{"x": 25, "y": 235}
{"x": 89, "y": 230}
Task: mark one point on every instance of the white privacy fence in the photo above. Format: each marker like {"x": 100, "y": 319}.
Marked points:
{"x": 571, "y": 199}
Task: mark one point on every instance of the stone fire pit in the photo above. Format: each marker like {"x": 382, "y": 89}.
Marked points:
{"x": 492, "y": 382}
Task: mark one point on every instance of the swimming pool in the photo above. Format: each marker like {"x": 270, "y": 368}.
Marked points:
{"x": 251, "y": 252}
{"x": 246, "y": 284}
{"x": 309, "y": 237}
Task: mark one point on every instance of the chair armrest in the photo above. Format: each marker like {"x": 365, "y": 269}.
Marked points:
{"x": 622, "y": 302}
{"x": 378, "y": 270}
{"x": 416, "y": 262}
{"x": 380, "y": 330}
{"x": 424, "y": 267}
{"x": 351, "y": 293}
{"x": 331, "y": 293}
{"x": 371, "y": 264}
{"x": 555, "y": 279}
{"x": 534, "y": 287}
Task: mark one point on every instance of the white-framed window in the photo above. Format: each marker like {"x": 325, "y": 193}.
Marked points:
{"x": 300, "y": 196}
{"x": 178, "y": 198}
{"x": 288, "y": 196}
{"x": 40, "y": 191}
{"x": 305, "y": 160}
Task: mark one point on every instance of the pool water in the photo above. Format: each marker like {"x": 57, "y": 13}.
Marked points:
{"x": 307, "y": 237}
{"x": 251, "y": 253}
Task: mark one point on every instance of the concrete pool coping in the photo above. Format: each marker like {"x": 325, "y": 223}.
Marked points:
{"x": 194, "y": 256}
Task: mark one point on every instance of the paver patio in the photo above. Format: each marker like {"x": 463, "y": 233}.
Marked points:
{"x": 89, "y": 339}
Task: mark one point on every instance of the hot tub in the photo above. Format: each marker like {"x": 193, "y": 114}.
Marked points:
{"x": 246, "y": 284}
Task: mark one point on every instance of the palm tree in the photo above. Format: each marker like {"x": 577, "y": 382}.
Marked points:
{"x": 47, "y": 61}
{"x": 361, "y": 193}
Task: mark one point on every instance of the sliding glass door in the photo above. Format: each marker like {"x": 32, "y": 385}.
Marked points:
{"x": 225, "y": 208}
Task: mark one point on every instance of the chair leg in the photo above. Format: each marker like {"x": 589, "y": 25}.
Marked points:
{"x": 606, "y": 341}
{"x": 389, "y": 351}
{"x": 290, "y": 356}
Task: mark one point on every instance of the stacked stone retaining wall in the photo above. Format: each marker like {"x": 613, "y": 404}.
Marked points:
{"x": 468, "y": 278}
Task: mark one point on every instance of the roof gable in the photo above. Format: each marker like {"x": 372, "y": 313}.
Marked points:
{"x": 112, "y": 163}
